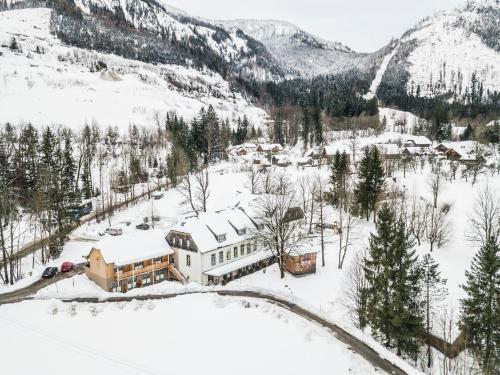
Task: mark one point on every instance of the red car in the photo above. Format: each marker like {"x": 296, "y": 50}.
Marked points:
{"x": 67, "y": 267}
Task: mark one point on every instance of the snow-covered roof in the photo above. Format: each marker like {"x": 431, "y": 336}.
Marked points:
{"x": 388, "y": 148}
{"x": 249, "y": 146}
{"x": 240, "y": 263}
{"x": 419, "y": 140}
{"x": 304, "y": 160}
{"x": 466, "y": 149}
{"x": 341, "y": 148}
{"x": 133, "y": 247}
{"x": 270, "y": 146}
{"x": 205, "y": 228}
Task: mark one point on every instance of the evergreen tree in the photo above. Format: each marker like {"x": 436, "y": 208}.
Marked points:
{"x": 306, "y": 126}
{"x": 433, "y": 290}
{"x": 278, "y": 129}
{"x": 393, "y": 275}
{"x": 318, "y": 125}
{"x": 480, "y": 310}
{"x": 338, "y": 179}
{"x": 370, "y": 181}
{"x": 27, "y": 161}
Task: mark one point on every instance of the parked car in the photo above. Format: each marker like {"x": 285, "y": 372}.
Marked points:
{"x": 49, "y": 272}
{"x": 114, "y": 231}
{"x": 158, "y": 195}
{"x": 67, "y": 267}
{"x": 142, "y": 226}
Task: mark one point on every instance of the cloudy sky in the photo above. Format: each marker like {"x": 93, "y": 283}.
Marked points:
{"x": 364, "y": 25}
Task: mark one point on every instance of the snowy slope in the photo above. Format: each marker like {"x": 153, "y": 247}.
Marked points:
{"x": 61, "y": 85}
{"x": 300, "y": 52}
{"x": 443, "y": 53}
{"x": 183, "y": 335}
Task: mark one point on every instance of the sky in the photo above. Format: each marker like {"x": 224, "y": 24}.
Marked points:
{"x": 363, "y": 25}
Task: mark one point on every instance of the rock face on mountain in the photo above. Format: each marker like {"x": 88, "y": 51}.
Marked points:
{"x": 303, "y": 54}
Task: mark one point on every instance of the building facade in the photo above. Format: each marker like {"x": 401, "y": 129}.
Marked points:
{"x": 139, "y": 259}
{"x": 215, "y": 248}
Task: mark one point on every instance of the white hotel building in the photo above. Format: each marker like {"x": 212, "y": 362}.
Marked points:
{"x": 215, "y": 248}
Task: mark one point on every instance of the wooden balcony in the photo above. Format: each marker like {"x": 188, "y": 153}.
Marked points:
{"x": 130, "y": 271}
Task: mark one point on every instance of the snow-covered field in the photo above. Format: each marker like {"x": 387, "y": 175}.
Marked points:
{"x": 57, "y": 85}
{"x": 184, "y": 335}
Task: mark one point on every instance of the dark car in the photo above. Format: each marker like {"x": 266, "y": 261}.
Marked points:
{"x": 67, "y": 267}
{"x": 142, "y": 227}
{"x": 49, "y": 272}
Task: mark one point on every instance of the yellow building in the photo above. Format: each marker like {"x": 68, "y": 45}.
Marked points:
{"x": 135, "y": 260}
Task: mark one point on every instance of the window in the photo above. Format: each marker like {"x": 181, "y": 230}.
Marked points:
{"x": 213, "y": 259}
{"x": 221, "y": 238}
{"x": 130, "y": 283}
{"x": 242, "y": 250}
{"x": 119, "y": 269}
{"x": 138, "y": 265}
{"x": 221, "y": 257}
{"x": 242, "y": 232}
{"x": 157, "y": 260}
{"x": 160, "y": 275}
{"x": 146, "y": 279}
{"x": 249, "y": 249}
{"x": 187, "y": 244}
{"x": 228, "y": 255}
{"x": 188, "y": 260}
{"x": 235, "y": 252}
{"x": 255, "y": 246}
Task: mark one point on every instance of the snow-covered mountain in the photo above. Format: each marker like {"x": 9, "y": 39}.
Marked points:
{"x": 302, "y": 53}
{"x": 455, "y": 53}
{"x": 46, "y": 81}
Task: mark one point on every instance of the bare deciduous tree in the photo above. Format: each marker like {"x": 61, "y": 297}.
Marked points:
{"x": 186, "y": 190}
{"x": 268, "y": 182}
{"x": 348, "y": 234}
{"x": 278, "y": 234}
{"x": 355, "y": 287}
{"x": 484, "y": 220}
{"x": 437, "y": 185}
{"x": 437, "y": 230}
{"x": 202, "y": 188}
{"x": 254, "y": 182}
{"x": 417, "y": 218}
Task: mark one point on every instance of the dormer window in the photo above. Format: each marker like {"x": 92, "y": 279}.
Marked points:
{"x": 221, "y": 238}
{"x": 242, "y": 232}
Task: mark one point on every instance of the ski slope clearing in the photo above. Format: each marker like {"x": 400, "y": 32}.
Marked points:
{"x": 146, "y": 338}
{"x": 46, "y": 82}
{"x": 380, "y": 74}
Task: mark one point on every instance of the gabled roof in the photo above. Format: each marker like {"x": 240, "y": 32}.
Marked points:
{"x": 419, "y": 140}
{"x": 270, "y": 146}
{"x": 133, "y": 247}
{"x": 341, "y": 148}
{"x": 388, "y": 148}
{"x": 204, "y": 228}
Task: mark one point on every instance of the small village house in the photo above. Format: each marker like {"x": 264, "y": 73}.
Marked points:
{"x": 305, "y": 161}
{"x": 268, "y": 149}
{"x": 301, "y": 262}
{"x": 135, "y": 260}
{"x": 328, "y": 153}
{"x": 281, "y": 160}
{"x": 418, "y": 141}
{"x": 464, "y": 151}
